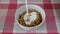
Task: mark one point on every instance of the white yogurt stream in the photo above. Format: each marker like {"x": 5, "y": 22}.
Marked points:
{"x": 31, "y": 18}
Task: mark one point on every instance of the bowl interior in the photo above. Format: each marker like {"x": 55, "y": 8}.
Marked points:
{"x": 23, "y": 9}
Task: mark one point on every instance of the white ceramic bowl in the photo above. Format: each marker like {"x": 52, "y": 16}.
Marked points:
{"x": 23, "y": 9}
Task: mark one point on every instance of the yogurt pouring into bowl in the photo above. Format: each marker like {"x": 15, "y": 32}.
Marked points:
{"x": 26, "y": 17}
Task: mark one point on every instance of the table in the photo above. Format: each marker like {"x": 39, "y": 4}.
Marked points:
{"x": 9, "y": 26}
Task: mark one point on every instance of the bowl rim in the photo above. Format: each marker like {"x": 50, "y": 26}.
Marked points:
{"x": 33, "y": 26}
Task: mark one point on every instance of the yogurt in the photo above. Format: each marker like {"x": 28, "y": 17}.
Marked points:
{"x": 30, "y": 17}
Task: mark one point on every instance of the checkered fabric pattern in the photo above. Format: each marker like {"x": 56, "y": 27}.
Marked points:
{"x": 7, "y": 17}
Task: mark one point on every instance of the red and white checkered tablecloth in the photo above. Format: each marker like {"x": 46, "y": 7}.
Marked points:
{"x": 7, "y": 17}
